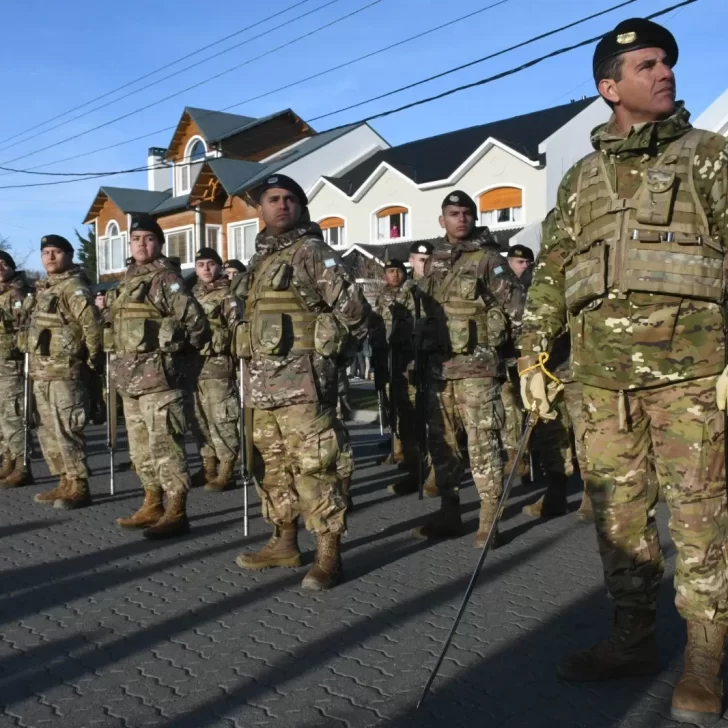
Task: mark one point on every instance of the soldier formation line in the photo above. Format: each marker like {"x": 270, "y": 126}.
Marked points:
{"x": 615, "y": 339}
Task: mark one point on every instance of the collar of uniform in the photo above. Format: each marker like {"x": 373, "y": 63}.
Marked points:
{"x": 15, "y": 282}
{"x": 642, "y": 137}
{"x": 266, "y": 244}
{"x": 54, "y": 278}
{"x": 135, "y": 269}
{"x": 221, "y": 282}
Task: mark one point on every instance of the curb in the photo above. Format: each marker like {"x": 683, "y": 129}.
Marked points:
{"x": 364, "y": 417}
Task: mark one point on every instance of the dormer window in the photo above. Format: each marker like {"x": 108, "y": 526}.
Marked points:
{"x": 189, "y": 167}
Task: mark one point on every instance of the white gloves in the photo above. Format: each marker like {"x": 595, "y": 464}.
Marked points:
{"x": 535, "y": 391}
{"x": 721, "y": 390}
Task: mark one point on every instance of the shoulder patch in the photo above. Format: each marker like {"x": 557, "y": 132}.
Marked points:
{"x": 174, "y": 287}
{"x": 79, "y": 292}
{"x": 18, "y": 304}
{"x": 330, "y": 262}
{"x": 498, "y": 271}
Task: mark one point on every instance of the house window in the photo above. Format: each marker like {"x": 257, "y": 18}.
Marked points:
{"x": 180, "y": 245}
{"x": 502, "y": 207}
{"x": 213, "y": 237}
{"x": 333, "y": 231}
{"x": 190, "y": 166}
{"x": 112, "y": 249}
{"x": 392, "y": 223}
{"x": 241, "y": 240}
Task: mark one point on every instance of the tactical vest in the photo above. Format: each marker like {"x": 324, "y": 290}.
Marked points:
{"x": 212, "y": 305}
{"x": 8, "y": 333}
{"x": 655, "y": 242}
{"x": 138, "y": 325}
{"x": 280, "y": 320}
{"x": 473, "y": 316}
{"x": 53, "y": 332}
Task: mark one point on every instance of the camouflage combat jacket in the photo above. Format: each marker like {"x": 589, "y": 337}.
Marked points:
{"x": 155, "y": 325}
{"x": 301, "y": 306}
{"x": 633, "y": 259}
{"x": 392, "y": 324}
{"x": 64, "y": 327}
{"x": 223, "y": 314}
{"x": 468, "y": 294}
{"x": 12, "y": 316}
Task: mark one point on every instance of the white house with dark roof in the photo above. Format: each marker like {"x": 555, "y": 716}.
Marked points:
{"x": 511, "y": 168}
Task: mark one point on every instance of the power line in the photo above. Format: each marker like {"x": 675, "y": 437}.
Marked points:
{"x": 150, "y": 73}
{"x": 204, "y": 81}
{"x": 481, "y": 82}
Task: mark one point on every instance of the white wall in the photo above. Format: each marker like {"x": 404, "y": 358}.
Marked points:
{"x": 568, "y": 145}
{"x": 336, "y": 157}
{"x": 497, "y": 168}
{"x": 715, "y": 117}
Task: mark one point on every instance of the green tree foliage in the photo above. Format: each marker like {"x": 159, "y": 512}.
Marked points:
{"x": 86, "y": 253}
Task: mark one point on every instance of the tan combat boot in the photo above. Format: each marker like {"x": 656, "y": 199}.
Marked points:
{"x": 327, "y": 571}
{"x": 631, "y": 651}
{"x": 148, "y": 515}
{"x": 552, "y": 503}
{"x": 19, "y": 476}
{"x": 406, "y": 486}
{"x": 585, "y": 512}
{"x": 78, "y": 495}
{"x": 431, "y": 490}
{"x": 224, "y": 476}
{"x": 698, "y": 697}
{"x": 8, "y": 465}
{"x": 446, "y": 523}
{"x": 485, "y": 521}
{"x": 206, "y": 474}
{"x": 524, "y": 467}
{"x": 280, "y": 551}
{"x": 174, "y": 521}
{"x": 51, "y": 496}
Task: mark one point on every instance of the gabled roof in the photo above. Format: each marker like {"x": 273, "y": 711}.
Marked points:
{"x": 436, "y": 158}
{"x": 216, "y": 125}
{"x": 127, "y": 199}
{"x": 234, "y": 173}
{"x": 171, "y": 204}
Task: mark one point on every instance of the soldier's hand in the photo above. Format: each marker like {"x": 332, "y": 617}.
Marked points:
{"x": 721, "y": 390}
{"x": 535, "y": 390}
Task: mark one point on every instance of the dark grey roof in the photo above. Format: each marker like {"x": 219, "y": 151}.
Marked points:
{"x": 131, "y": 200}
{"x": 234, "y": 173}
{"x": 437, "y": 157}
{"x": 251, "y": 123}
{"x": 171, "y": 204}
{"x": 216, "y": 125}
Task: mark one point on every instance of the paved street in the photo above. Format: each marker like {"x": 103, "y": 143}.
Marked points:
{"x": 101, "y": 628}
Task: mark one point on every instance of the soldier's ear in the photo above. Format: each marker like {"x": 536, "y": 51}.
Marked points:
{"x": 441, "y": 220}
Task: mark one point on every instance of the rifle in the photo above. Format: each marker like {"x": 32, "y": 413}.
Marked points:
{"x": 27, "y": 405}
{"x": 531, "y": 422}
{"x": 420, "y": 397}
{"x": 246, "y": 446}
{"x": 392, "y": 414}
{"x": 381, "y": 387}
{"x": 110, "y": 420}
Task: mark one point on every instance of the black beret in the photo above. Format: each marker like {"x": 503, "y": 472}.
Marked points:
{"x": 56, "y": 241}
{"x": 234, "y": 263}
{"x": 631, "y": 35}
{"x": 279, "y": 181}
{"x": 461, "y": 199}
{"x": 7, "y": 259}
{"x": 208, "y": 254}
{"x": 147, "y": 224}
{"x": 421, "y": 248}
{"x": 520, "y": 251}
{"x": 394, "y": 263}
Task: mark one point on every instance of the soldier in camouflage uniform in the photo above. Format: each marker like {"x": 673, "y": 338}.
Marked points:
{"x": 301, "y": 307}
{"x": 466, "y": 293}
{"x": 13, "y": 290}
{"x": 156, "y": 329}
{"x": 216, "y": 400}
{"x": 64, "y": 334}
{"x": 637, "y": 269}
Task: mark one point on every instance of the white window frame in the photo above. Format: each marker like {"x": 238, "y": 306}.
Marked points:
{"x": 104, "y": 250}
{"x": 183, "y": 173}
{"x": 217, "y": 247}
{"x": 375, "y": 225}
{"x": 232, "y": 253}
{"x": 503, "y": 225}
{"x": 191, "y": 243}
{"x": 342, "y": 245}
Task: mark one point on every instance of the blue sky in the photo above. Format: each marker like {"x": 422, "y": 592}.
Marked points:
{"x": 78, "y": 50}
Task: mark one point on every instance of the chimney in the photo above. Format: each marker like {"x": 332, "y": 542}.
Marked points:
{"x": 159, "y": 178}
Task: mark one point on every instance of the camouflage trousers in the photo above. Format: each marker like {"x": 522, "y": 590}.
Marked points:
{"x": 155, "y": 424}
{"x": 686, "y": 432}
{"x": 297, "y": 461}
{"x": 406, "y": 445}
{"x": 217, "y": 418}
{"x": 513, "y": 413}
{"x": 473, "y": 408}
{"x": 12, "y": 434}
{"x": 61, "y": 407}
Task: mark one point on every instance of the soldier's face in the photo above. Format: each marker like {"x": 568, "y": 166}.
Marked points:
{"x": 207, "y": 270}
{"x": 6, "y": 271}
{"x": 55, "y": 260}
{"x": 457, "y": 221}
{"x": 417, "y": 261}
{"x": 393, "y": 277}
{"x": 280, "y": 210}
{"x": 99, "y": 301}
{"x": 647, "y": 88}
{"x": 144, "y": 246}
{"x": 519, "y": 265}
{"x": 230, "y": 273}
